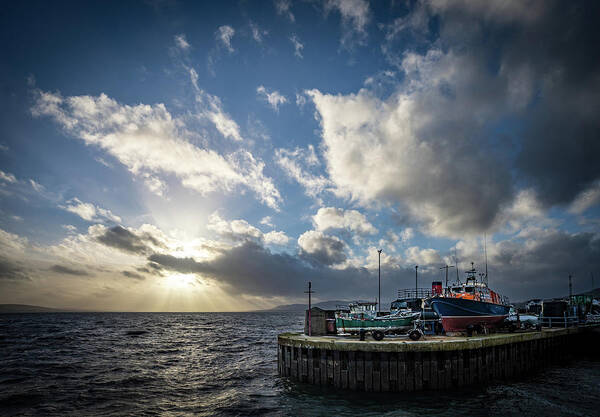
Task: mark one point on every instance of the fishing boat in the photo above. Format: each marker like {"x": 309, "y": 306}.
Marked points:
{"x": 362, "y": 315}
{"x": 469, "y": 305}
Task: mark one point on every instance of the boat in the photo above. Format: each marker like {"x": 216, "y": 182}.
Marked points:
{"x": 362, "y": 315}
{"x": 470, "y": 305}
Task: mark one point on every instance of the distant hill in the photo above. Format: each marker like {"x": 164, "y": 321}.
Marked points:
{"x": 325, "y": 305}
{"x": 24, "y": 308}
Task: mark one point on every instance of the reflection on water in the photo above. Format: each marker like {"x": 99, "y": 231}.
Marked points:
{"x": 224, "y": 364}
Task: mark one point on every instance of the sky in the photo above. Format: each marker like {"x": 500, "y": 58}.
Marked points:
{"x": 217, "y": 156}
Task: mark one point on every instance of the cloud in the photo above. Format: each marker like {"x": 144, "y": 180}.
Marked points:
{"x": 411, "y": 149}
{"x": 543, "y": 80}
{"x": 36, "y": 186}
{"x": 240, "y": 230}
{"x": 224, "y": 34}
{"x": 7, "y": 177}
{"x": 65, "y": 270}
{"x": 181, "y": 42}
{"x": 586, "y": 199}
{"x": 321, "y": 249}
{"x": 148, "y": 140}
{"x": 337, "y": 218}
{"x": 257, "y": 32}
{"x": 283, "y": 7}
{"x": 300, "y": 100}
{"x": 355, "y": 17}
{"x": 211, "y": 108}
{"x": 296, "y": 165}
{"x": 134, "y": 275}
{"x": 13, "y": 271}
{"x": 298, "y": 46}
{"x": 236, "y": 230}
{"x": 89, "y": 212}
{"x": 274, "y": 98}
{"x": 267, "y": 221}
{"x": 422, "y": 257}
{"x": 276, "y": 238}
{"x": 142, "y": 241}
{"x": 252, "y": 269}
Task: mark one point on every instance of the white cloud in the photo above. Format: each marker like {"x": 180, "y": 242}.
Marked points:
{"x": 224, "y": 34}
{"x": 338, "y": 218}
{"x": 147, "y": 139}
{"x": 7, "y": 177}
{"x": 422, "y": 257}
{"x": 586, "y": 199}
{"x": 298, "y": 46}
{"x": 407, "y": 234}
{"x": 283, "y": 8}
{"x": 11, "y": 243}
{"x": 181, "y": 42}
{"x": 212, "y": 109}
{"x": 257, "y": 32}
{"x": 274, "y": 98}
{"x": 300, "y": 100}
{"x": 276, "y": 238}
{"x": 36, "y": 186}
{"x": 267, "y": 221}
{"x": 401, "y": 150}
{"x": 235, "y": 229}
{"x": 69, "y": 228}
{"x": 89, "y": 212}
{"x": 293, "y": 163}
{"x": 194, "y": 78}
{"x": 355, "y": 16}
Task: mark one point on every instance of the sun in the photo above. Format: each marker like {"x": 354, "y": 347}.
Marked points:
{"x": 180, "y": 281}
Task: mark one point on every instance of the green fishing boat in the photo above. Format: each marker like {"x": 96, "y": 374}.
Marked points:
{"x": 363, "y": 316}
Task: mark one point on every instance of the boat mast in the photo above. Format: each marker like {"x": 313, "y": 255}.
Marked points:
{"x": 485, "y": 252}
{"x": 456, "y": 262}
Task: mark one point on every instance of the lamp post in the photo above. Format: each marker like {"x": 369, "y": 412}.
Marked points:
{"x": 416, "y": 285}
{"x": 309, "y": 292}
{"x": 379, "y": 252}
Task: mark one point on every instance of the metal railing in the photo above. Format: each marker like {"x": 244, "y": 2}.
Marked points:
{"x": 565, "y": 321}
{"x": 415, "y": 293}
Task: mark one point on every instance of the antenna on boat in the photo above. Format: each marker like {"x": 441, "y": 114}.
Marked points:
{"x": 485, "y": 252}
{"x": 446, "y": 268}
{"x": 456, "y": 262}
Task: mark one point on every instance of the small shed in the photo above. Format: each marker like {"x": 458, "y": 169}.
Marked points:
{"x": 319, "y": 319}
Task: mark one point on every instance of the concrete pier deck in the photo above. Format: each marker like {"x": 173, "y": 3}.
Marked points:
{"x": 436, "y": 362}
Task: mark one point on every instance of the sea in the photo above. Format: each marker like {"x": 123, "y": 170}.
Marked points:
{"x": 225, "y": 364}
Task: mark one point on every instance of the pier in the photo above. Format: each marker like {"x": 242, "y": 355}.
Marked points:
{"x": 435, "y": 363}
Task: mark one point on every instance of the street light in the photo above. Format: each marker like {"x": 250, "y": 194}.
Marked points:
{"x": 379, "y": 252}
{"x": 416, "y": 286}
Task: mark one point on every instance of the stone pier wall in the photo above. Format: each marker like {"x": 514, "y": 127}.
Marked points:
{"x": 406, "y": 366}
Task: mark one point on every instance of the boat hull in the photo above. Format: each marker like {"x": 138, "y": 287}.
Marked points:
{"x": 346, "y": 324}
{"x": 458, "y": 313}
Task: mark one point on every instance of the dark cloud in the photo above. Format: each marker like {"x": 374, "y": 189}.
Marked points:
{"x": 551, "y": 49}
{"x": 61, "y": 269}
{"x": 542, "y": 267}
{"x": 13, "y": 271}
{"x": 321, "y": 249}
{"x": 252, "y": 269}
{"x": 133, "y": 275}
{"x": 125, "y": 240}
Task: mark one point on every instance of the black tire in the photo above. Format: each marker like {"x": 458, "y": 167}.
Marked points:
{"x": 378, "y": 335}
{"x": 512, "y": 327}
{"x": 414, "y": 335}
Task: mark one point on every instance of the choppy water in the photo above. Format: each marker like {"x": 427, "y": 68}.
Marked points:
{"x": 224, "y": 364}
